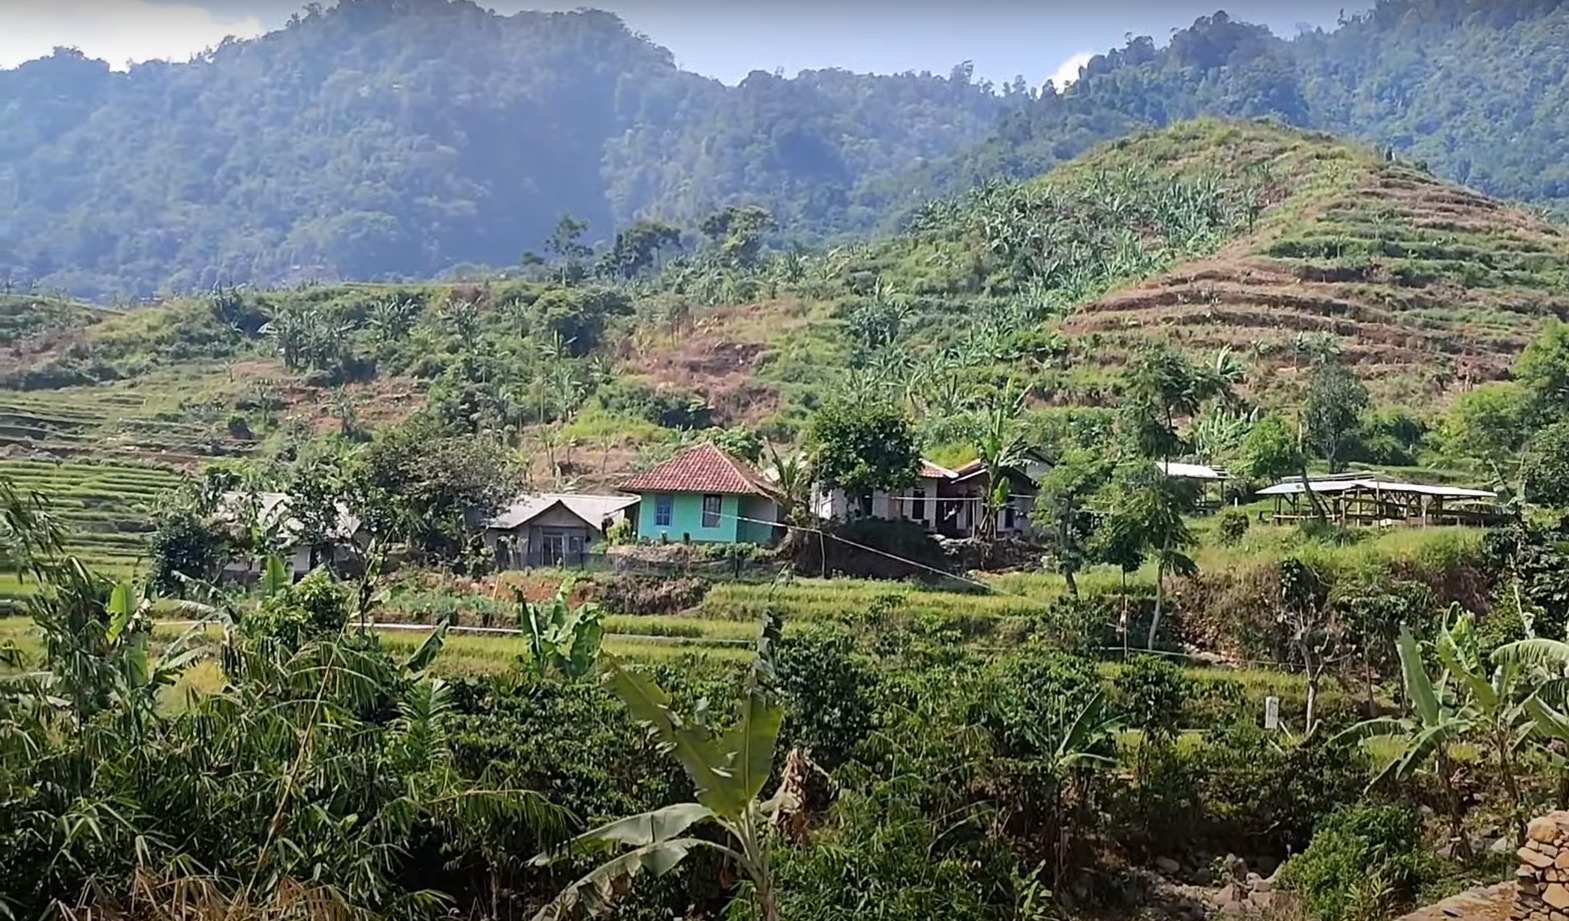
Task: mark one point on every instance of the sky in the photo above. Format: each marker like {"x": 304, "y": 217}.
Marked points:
{"x": 726, "y": 39}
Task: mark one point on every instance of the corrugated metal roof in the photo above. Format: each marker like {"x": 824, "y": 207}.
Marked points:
{"x": 591, "y": 508}
{"x": 1192, "y": 471}
{"x": 1296, "y": 487}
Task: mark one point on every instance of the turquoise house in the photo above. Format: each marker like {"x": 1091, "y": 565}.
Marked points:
{"x": 705, "y": 496}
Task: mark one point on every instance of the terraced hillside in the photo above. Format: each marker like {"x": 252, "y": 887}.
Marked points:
{"x": 106, "y": 509}
{"x": 1428, "y": 287}
{"x": 1242, "y": 235}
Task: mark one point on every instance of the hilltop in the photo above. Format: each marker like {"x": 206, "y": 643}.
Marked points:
{"x": 402, "y": 139}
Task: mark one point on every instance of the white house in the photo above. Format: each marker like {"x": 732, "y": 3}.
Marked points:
{"x": 942, "y": 501}
{"x": 348, "y": 537}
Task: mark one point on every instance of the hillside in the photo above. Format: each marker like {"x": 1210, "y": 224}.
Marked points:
{"x": 1245, "y": 237}
{"x": 385, "y": 139}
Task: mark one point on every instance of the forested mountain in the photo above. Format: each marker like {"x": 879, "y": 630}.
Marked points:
{"x": 387, "y": 138}
{"x": 1475, "y": 89}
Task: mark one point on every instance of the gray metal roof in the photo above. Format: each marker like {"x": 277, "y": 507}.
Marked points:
{"x": 1376, "y": 484}
{"x": 592, "y": 509}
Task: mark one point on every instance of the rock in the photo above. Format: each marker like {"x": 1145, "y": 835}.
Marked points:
{"x": 1542, "y": 829}
{"x": 1236, "y": 867}
{"x": 1263, "y": 899}
{"x": 1527, "y": 888}
{"x": 1534, "y": 858}
{"x": 1167, "y": 866}
{"x": 1556, "y": 895}
{"x": 1562, "y": 860}
{"x": 1258, "y": 884}
{"x": 1229, "y": 895}
{"x": 1550, "y": 850}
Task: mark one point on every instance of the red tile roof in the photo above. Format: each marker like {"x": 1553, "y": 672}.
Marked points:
{"x": 933, "y": 471}
{"x": 704, "y": 469}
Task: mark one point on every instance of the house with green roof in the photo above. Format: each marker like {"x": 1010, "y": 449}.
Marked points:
{"x": 704, "y": 495}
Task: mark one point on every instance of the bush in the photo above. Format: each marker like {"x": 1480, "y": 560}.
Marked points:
{"x": 827, "y": 693}
{"x": 1151, "y": 694}
{"x": 1231, "y": 526}
{"x": 897, "y": 541}
{"x": 1365, "y": 862}
{"x": 649, "y": 594}
{"x": 1080, "y": 625}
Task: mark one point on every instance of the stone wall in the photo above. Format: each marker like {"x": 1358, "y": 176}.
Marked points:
{"x": 1542, "y": 883}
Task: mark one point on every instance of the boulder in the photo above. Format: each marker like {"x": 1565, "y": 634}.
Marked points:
{"x": 1167, "y": 866}
{"x": 1543, "y": 829}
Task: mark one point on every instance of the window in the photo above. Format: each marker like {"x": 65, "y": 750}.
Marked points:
{"x": 1008, "y": 517}
{"x": 917, "y": 510}
{"x": 711, "y": 508}
{"x": 662, "y": 506}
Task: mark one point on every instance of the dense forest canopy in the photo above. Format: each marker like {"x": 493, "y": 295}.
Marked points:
{"x": 384, "y": 138}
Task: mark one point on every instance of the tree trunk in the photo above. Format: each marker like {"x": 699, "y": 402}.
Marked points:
{"x": 1314, "y": 501}
{"x": 1310, "y": 718}
{"x": 1160, "y": 598}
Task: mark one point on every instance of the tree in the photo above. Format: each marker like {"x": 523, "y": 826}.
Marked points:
{"x": 1269, "y": 450}
{"x": 434, "y": 485}
{"x": 1061, "y": 512}
{"x": 1332, "y": 409}
{"x": 1543, "y": 370}
{"x": 1545, "y": 467}
{"x": 565, "y": 244}
{"x": 999, "y": 446}
{"x": 862, "y": 446}
{"x": 1162, "y": 388}
{"x": 1314, "y": 631}
{"x": 1489, "y": 424}
{"x": 186, "y": 546}
{"x": 727, "y": 770}
{"x": 1154, "y": 505}
{"x": 636, "y": 248}
{"x": 735, "y": 235}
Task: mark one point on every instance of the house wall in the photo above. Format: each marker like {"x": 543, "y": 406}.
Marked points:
{"x": 759, "y": 510}
{"x": 686, "y": 519}
{"x": 525, "y": 538}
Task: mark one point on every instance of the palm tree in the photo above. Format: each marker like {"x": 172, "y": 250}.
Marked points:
{"x": 728, "y": 771}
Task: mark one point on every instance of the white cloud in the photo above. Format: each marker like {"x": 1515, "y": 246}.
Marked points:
{"x": 117, "y": 31}
{"x": 1068, "y": 71}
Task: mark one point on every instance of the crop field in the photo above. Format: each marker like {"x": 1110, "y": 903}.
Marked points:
{"x": 106, "y": 508}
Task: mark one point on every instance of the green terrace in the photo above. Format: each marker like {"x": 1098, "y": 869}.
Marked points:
{"x": 106, "y": 508}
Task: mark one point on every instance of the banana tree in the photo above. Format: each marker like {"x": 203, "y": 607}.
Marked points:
{"x": 1436, "y": 722}
{"x": 1497, "y": 700}
{"x": 560, "y": 636}
{"x": 728, "y": 771}
{"x": 1545, "y": 663}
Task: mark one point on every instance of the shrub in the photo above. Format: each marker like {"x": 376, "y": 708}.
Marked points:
{"x": 649, "y": 594}
{"x": 239, "y": 427}
{"x": 896, "y": 543}
{"x": 827, "y": 693}
{"x": 1365, "y": 862}
{"x": 1231, "y": 526}
{"x": 1151, "y": 693}
{"x": 1078, "y": 625}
